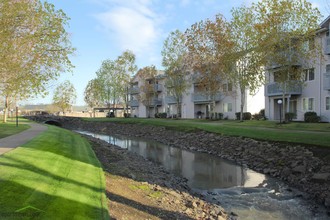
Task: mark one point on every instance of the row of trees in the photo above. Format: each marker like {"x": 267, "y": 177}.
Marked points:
{"x": 270, "y": 34}
{"x": 111, "y": 84}
{"x": 34, "y": 48}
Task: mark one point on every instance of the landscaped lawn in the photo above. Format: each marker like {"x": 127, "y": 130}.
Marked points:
{"x": 295, "y": 132}
{"x": 54, "y": 176}
{"x": 9, "y": 128}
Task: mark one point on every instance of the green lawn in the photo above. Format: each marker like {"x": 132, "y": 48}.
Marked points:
{"x": 54, "y": 176}
{"x": 9, "y": 128}
{"x": 295, "y": 132}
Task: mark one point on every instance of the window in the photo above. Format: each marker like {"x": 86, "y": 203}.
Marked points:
{"x": 228, "y": 87}
{"x": 228, "y": 107}
{"x": 308, "y": 104}
{"x": 309, "y": 44}
{"x": 224, "y": 87}
{"x": 327, "y": 103}
{"x": 327, "y": 68}
{"x": 309, "y": 74}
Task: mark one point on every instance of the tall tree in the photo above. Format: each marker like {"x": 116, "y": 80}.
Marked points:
{"x": 175, "y": 54}
{"x": 34, "y": 47}
{"x": 208, "y": 43}
{"x": 148, "y": 90}
{"x": 287, "y": 31}
{"x": 65, "y": 96}
{"x": 127, "y": 67}
{"x": 92, "y": 94}
{"x": 246, "y": 70}
{"x": 107, "y": 76}
{"x": 115, "y": 76}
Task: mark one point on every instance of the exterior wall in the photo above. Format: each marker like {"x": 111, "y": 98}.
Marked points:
{"x": 189, "y": 108}
{"x": 311, "y": 89}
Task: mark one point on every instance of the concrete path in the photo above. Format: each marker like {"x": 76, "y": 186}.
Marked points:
{"x": 13, "y": 141}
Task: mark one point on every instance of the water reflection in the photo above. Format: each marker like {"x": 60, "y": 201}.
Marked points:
{"x": 203, "y": 171}
{"x": 249, "y": 194}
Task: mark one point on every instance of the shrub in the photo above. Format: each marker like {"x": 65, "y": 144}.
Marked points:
{"x": 289, "y": 116}
{"x": 127, "y": 115}
{"x": 262, "y": 113}
{"x": 246, "y": 115}
{"x": 311, "y": 117}
{"x": 161, "y": 115}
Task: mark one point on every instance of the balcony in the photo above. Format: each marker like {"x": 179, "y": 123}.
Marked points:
{"x": 158, "y": 88}
{"x": 327, "y": 46}
{"x": 283, "y": 59}
{"x": 276, "y": 89}
{"x": 205, "y": 98}
{"x": 133, "y": 103}
{"x": 326, "y": 81}
{"x": 156, "y": 102}
{"x": 134, "y": 90}
{"x": 170, "y": 100}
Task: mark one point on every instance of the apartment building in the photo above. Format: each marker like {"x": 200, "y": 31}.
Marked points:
{"x": 313, "y": 94}
{"x": 195, "y": 102}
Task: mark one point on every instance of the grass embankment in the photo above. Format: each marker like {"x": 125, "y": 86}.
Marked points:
{"x": 294, "y": 132}
{"x": 9, "y": 128}
{"x": 54, "y": 176}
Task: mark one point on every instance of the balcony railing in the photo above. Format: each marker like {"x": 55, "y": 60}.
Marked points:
{"x": 156, "y": 101}
{"x": 171, "y": 100}
{"x": 276, "y": 89}
{"x": 327, "y": 46}
{"x": 134, "y": 90}
{"x": 158, "y": 87}
{"x": 326, "y": 81}
{"x": 202, "y": 97}
{"x": 285, "y": 58}
{"x": 133, "y": 103}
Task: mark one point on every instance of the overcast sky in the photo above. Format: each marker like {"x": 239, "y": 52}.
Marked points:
{"x": 103, "y": 29}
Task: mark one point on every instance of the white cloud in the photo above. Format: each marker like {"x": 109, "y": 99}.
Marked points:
{"x": 132, "y": 25}
{"x": 184, "y": 3}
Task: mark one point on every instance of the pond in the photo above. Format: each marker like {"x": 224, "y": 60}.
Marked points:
{"x": 249, "y": 194}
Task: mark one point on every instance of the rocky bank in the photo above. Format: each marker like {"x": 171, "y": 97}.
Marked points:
{"x": 306, "y": 168}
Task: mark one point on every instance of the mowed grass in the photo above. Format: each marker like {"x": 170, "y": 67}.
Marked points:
{"x": 294, "y": 132}
{"x": 9, "y": 128}
{"x": 54, "y": 176}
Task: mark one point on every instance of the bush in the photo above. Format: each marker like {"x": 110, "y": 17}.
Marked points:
{"x": 260, "y": 115}
{"x": 217, "y": 116}
{"x": 127, "y": 115}
{"x": 311, "y": 117}
{"x": 161, "y": 115}
{"x": 289, "y": 116}
{"x": 246, "y": 116}
{"x": 110, "y": 115}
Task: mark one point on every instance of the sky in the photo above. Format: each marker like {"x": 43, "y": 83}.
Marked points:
{"x": 103, "y": 29}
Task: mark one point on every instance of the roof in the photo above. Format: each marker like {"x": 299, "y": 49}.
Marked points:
{"x": 325, "y": 23}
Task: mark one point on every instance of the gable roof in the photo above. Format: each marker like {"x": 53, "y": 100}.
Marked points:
{"x": 325, "y": 23}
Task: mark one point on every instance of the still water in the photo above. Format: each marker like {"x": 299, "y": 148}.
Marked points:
{"x": 249, "y": 194}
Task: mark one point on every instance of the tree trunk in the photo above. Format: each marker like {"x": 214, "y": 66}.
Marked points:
{"x": 178, "y": 108}
{"x": 242, "y": 103}
{"x": 6, "y": 109}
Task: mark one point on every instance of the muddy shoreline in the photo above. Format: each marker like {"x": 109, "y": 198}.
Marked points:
{"x": 306, "y": 168}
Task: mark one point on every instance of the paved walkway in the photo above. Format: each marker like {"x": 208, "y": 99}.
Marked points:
{"x": 13, "y": 141}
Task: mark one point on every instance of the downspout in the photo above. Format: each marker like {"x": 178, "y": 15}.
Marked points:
{"x": 320, "y": 69}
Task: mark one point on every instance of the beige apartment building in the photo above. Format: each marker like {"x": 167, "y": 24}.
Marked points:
{"x": 311, "y": 95}
{"x": 195, "y": 103}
